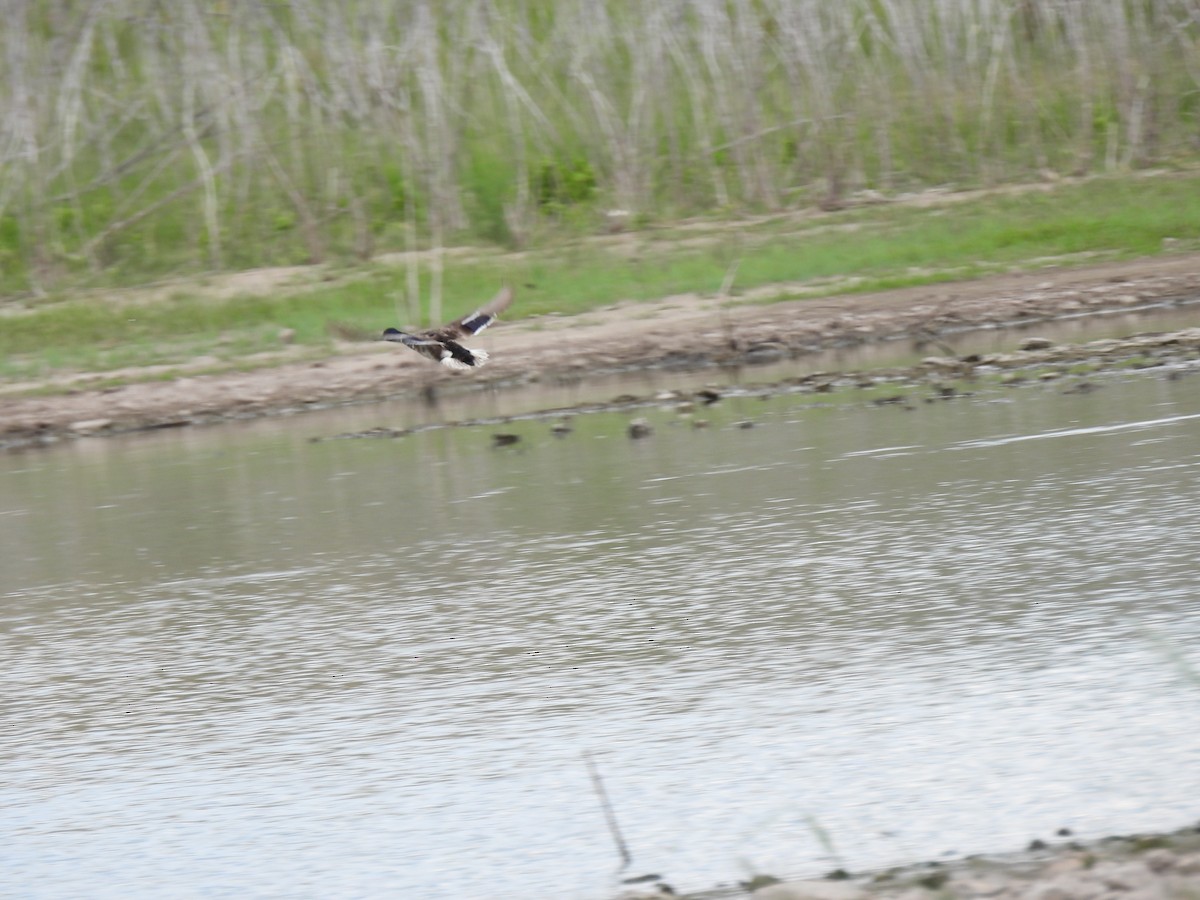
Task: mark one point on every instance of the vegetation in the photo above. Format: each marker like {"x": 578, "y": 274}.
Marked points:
{"x": 796, "y": 254}
{"x": 140, "y": 138}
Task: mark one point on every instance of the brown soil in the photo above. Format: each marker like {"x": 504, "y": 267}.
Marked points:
{"x": 681, "y": 330}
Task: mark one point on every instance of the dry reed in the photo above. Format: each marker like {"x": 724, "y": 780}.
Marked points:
{"x": 138, "y": 137}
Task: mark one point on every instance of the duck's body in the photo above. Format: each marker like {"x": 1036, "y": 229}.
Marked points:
{"x": 442, "y": 344}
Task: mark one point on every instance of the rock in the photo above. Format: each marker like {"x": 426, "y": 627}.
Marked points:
{"x": 658, "y": 891}
{"x": 934, "y": 880}
{"x": 767, "y": 351}
{"x": 640, "y": 428}
{"x": 756, "y": 882}
{"x": 1188, "y": 865}
{"x": 1037, "y": 343}
{"x": 1123, "y": 876}
{"x": 810, "y": 890}
{"x": 1007, "y": 360}
{"x": 941, "y": 362}
{"x": 1067, "y": 887}
{"x": 91, "y": 426}
{"x": 1160, "y": 860}
{"x": 977, "y": 887}
{"x": 617, "y": 220}
{"x": 1075, "y": 862}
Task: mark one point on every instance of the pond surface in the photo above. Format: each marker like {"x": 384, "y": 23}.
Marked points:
{"x": 240, "y": 663}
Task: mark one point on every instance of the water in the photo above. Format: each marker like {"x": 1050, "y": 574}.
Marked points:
{"x": 456, "y": 402}
{"x": 240, "y": 663}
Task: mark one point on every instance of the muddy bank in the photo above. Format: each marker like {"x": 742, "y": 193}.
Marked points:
{"x": 683, "y": 332}
{"x": 1134, "y": 867}
{"x": 934, "y": 378}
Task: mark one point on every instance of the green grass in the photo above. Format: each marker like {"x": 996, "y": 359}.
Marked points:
{"x": 881, "y": 246}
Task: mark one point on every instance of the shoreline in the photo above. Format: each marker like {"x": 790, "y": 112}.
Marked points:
{"x": 1149, "y": 866}
{"x": 685, "y": 332}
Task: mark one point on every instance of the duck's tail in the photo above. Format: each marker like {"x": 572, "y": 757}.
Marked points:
{"x": 478, "y": 358}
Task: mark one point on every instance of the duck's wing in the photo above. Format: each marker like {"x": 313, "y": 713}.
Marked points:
{"x": 424, "y": 339}
{"x": 475, "y": 322}
{"x": 396, "y": 335}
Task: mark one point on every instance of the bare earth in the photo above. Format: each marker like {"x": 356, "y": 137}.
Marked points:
{"x": 1134, "y": 867}
{"x": 683, "y": 330}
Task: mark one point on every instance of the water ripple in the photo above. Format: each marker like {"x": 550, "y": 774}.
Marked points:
{"x": 919, "y": 650}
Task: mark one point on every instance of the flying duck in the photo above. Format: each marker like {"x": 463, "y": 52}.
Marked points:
{"x": 442, "y": 344}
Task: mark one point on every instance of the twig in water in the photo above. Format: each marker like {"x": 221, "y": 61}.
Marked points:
{"x": 609, "y": 815}
{"x": 926, "y": 335}
{"x": 825, "y": 840}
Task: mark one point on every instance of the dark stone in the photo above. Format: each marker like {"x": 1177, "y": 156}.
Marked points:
{"x": 640, "y": 428}
{"x": 934, "y": 880}
{"x": 1037, "y": 343}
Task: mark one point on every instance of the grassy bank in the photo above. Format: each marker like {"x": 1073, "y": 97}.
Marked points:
{"x": 871, "y": 247}
{"x": 142, "y": 139}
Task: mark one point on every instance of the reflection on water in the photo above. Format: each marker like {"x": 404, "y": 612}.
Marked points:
{"x": 239, "y": 662}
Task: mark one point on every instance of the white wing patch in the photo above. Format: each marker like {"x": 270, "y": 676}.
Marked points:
{"x": 480, "y": 357}
{"x": 477, "y": 321}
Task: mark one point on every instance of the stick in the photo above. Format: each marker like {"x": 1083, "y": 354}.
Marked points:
{"x": 609, "y": 815}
